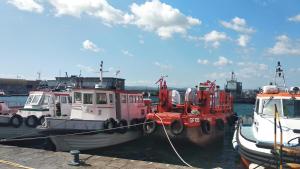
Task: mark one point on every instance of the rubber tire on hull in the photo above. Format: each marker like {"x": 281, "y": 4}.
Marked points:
{"x": 176, "y": 127}
{"x": 205, "y": 126}
{"x": 19, "y": 121}
{"x": 109, "y": 125}
{"x": 149, "y": 126}
{"x": 33, "y": 119}
{"x": 134, "y": 122}
{"x": 220, "y": 124}
{"x": 123, "y": 126}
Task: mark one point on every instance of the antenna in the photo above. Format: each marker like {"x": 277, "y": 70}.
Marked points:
{"x": 39, "y": 75}
{"x": 279, "y": 74}
{"x": 101, "y": 75}
{"x": 161, "y": 78}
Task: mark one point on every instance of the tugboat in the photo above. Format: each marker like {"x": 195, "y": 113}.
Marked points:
{"x": 272, "y": 138}
{"x": 104, "y": 116}
{"x": 22, "y": 123}
{"x": 202, "y": 117}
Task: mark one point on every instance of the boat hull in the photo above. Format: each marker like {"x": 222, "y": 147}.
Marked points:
{"x": 92, "y": 141}
{"x": 192, "y": 134}
{"x": 252, "y": 152}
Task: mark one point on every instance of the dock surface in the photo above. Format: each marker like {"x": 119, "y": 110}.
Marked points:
{"x": 12, "y": 157}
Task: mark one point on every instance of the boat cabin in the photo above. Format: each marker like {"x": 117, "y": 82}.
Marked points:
{"x": 102, "y": 104}
{"x": 42, "y": 103}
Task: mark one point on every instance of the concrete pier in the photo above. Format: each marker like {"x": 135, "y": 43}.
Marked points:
{"x": 12, "y": 157}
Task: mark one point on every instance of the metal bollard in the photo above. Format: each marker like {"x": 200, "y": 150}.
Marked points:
{"x": 76, "y": 160}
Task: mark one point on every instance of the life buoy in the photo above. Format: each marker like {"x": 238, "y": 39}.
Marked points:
{"x": 41, "y": 120}
{"x": 123, "y": 126}
{"x": 149, "y": 126}
{"x": 205, "y": 126}
{"x": 220, "y": 124}
{"x": 109, "y": 125}
{"x": 16, "y": 120}
{"x": 31, "y": 121}
{"x": 176, "y": 127}
{"x": 133, "y": 124}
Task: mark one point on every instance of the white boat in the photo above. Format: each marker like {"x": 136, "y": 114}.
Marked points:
{"x": 2, "y": 93}
{"x": 272, "y": 138}
{"x": 100, "y": 117}
{"x": 39, "y": 104}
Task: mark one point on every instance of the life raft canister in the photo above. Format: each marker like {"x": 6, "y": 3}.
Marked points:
{"x": 220, "y": 124}
{"x": 123, "y": 126}
{"x": 205, "y": 126}
{"x": 109, "y": 125}
{"x": 149, "y": 126}
{"x": 176, "y": 127}
{"x": 16, "y": 120}
{"x": 32, "y": 121}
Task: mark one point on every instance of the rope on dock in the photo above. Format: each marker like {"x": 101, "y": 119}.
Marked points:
{"x": 174, "y": 149}
{"x": 14, "y": 164}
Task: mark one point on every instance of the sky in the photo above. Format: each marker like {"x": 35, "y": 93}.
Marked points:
{"x": 191, "y": 41}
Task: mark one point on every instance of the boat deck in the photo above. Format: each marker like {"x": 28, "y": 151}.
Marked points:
{"x": 12, "y": 157}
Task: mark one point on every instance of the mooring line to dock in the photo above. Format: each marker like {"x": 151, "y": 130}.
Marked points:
{"x": 174, "y": 149}
{"x": 14, "y": 164}
{"x": 71, "y": 134}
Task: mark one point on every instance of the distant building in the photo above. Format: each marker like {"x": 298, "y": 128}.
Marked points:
{"x": 18, "y": 86}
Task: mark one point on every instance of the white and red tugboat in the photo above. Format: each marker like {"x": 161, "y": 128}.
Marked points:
{"x": 100, "y": 117}
{"x": 201, "y": 119}
{"x": 272, "y": 138}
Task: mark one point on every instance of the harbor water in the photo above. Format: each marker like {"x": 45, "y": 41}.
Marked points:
{"x": 220, "y": 154}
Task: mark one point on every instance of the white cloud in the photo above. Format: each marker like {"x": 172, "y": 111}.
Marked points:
{"x": 243, "y": 40}
{"x": 223, "y": 61}
{"x": 86, "y": 68}
{"x": 127, "y": 53}
{"x": 214, "y": 38}
{"x": 238, "y": 24}
{"x": 294, "y": 18}
{"x": 163, "y": 66}
{"x": 89, "y": 45}
{"x": 250, "y": 69}
{"x": 203, "y": 62}
{"x": 218, "y": 75}
{"x": 97, "y": 8}
{"x": 285, "y": 46}
{"x": 161, "y": 18}
{"x": 27, "y": 5}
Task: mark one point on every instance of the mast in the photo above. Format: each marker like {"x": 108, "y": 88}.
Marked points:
{"x": 279, "y": 74}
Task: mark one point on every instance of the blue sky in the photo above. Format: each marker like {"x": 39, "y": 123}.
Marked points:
{"x": 190, "y": 41}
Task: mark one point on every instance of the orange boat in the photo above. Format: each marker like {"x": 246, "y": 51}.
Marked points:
{"x": 203, "y": 116}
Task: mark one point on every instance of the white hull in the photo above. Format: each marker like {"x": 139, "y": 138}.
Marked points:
{"x": 86, "y": 142}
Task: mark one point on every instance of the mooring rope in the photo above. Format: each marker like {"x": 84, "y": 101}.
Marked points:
{"x": 174, "y": 149}
{"x": 71, "y": 134}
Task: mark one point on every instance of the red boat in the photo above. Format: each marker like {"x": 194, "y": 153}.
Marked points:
{"x": 203, "y": 116}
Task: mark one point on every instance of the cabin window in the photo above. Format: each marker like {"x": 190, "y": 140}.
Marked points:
{"x": 63, "y": 99}
{"x": 123, "y": 98}
{"x": 140, "y": 99}
{"x": 36, "y": 99}
{"x": 87, "y": 98}
{"x": 77, "y": 97}
{"x": 46, "y": 100}
{"x": 101, "y": 98}
{"x": 29, "y": 99}
{"x": 269, "y": 106}
{"x": 69, "y": 99}
{"x": 291, "y": 108}
{"x": 130, "y": 99}
{"x": 257, "y": 105}
{"x": 111, "y": 99}
{"x": 135, "y": 100}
